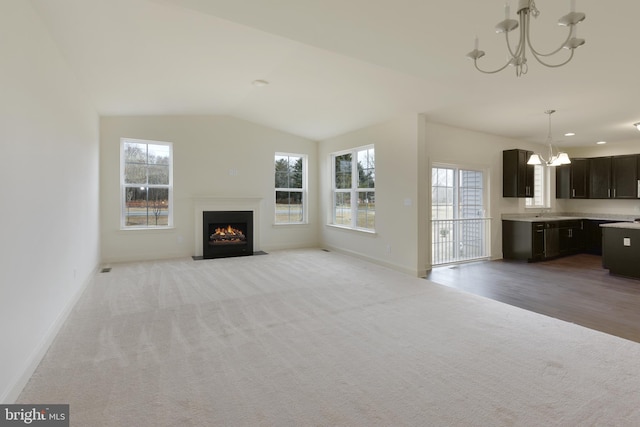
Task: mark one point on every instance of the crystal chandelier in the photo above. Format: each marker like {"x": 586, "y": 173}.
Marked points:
{"x": 557, "y": 159}
{"x": 518, "y": 57}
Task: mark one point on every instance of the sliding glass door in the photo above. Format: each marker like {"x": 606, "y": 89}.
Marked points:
{"x": 459, "y": 226}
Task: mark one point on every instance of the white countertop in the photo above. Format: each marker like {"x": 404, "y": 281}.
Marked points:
{"x": 629, "y": 225}
{"x": 561, "y": 216}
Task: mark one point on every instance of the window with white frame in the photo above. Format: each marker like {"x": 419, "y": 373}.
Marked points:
{"x": 290, "y": 188}
{"x": 354, "y": 192}
{"x": 540, "y": 197}
{"x": 146, "y": 182}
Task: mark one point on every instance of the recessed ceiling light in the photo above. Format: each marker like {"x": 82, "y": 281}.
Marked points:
{"x": 260, "y": 83}
{"x": 601, "y": 142}
{"x": 570, "y": 134}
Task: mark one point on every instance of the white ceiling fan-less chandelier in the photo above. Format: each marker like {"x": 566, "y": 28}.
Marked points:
{"x": 518, "y": 57}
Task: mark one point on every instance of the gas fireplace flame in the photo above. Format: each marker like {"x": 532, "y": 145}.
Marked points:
{"x": 227, "y": 235}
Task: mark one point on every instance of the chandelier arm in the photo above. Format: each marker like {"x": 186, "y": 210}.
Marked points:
{"x": 555, "y": 65}
{"x": 506, "y": 37}
{"x": 537, "y": 54}
{"x": 520, "y": 47}
{"x": 475, "y": 62}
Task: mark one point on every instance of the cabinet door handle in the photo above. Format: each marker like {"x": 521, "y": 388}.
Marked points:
{"x": 639, "y": 189}
{"x": 573, "y": 191}
{"x": 614, "y": 193}
{"x": 609, "y": 193}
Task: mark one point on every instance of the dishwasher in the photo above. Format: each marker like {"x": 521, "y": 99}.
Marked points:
{"x": 551, "y": 239}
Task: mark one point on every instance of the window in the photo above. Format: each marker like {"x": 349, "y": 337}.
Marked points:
{"x": 290, "y": 188}
{"x": 146, "y": 181}
{"x": 354, "y": 194}
{"x": 539, "y": 199}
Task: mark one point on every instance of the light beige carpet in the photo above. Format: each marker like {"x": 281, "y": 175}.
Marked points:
{"x": 310, "y": 338}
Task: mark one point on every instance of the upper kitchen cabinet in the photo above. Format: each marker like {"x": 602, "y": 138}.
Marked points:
{"x": 579, "y": 178}
{"x": 563, "y": 182}
{"x": 517, "y": 175}
{"x": 624, "y": 176}
{"x": 572, "y": 180}
{"x": 600, "y": 178}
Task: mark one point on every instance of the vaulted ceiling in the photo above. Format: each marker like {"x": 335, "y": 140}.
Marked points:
{"x": 339, "y": 65}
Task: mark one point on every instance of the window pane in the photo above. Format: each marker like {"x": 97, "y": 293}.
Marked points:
{"x": 144, "y": 207}
{"x": 135, "y": 174}
{"x": 135, "y": 206}
{"x": 135, "y": 153}
{"x": 159, "y": 154}
{"x": 343, "y": 171}
{"x": 159, "y": 174}
{"x": 282, "y": 179}
{"x": 343, "y": 208}
{"x": 366, "y": 177}
{"x": 282, "y": 171}
{"x": 295, "y": 172}
{"x": 289, "y": 207}
{"x": 158, "y": 206}
{"x": 366, "y": 209}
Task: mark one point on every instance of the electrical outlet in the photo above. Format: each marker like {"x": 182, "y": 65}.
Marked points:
{"x": 388, "y": 249}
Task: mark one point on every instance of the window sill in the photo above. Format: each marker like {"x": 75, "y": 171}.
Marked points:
{"x": 350, "y": 229}
{"x": 161, "y": 229}
{"x": 290, "y": 224}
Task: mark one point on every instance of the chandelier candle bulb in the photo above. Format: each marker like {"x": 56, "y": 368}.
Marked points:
{"x": 507, "y": 10}
{"x": 573, "y": 5}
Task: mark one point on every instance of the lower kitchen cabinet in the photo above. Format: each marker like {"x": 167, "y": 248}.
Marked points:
{"x": 540, "y": 240}
{"x": 571, "y": 237}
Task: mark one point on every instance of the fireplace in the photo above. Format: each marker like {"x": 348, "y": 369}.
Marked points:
{"x": 227, "y": 234}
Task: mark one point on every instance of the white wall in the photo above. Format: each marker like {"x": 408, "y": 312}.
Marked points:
{"x": 49, "y": 190}
{"x": 205, "y": 148}
{"x": 395, "y": 242}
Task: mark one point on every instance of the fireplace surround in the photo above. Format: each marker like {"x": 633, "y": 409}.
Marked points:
{"x": 227, "y": 234}
{"x": 202, "y": 203}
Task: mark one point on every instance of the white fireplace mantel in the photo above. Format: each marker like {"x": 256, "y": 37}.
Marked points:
{"x": 213, "y": 203}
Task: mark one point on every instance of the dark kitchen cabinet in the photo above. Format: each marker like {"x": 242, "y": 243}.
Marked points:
{"x": 600, "y": 178}
{"x": 523, "y": 240}
{"x": 517, "y": 175}
{"x": 624, "y": 177}
{"x": 572, "y": 180}
{"x": 540, "y": 240}
{"x": 537, "y": 241}
{"x": 563, "y": 182}
{"x": 579, "y": 174}
{"x": 571, "y": 237}
{"x": 619, "y": 251}
{"x": 593, "y": 235}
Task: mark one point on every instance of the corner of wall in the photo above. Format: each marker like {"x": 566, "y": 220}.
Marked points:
{"x": 21, "y": 379}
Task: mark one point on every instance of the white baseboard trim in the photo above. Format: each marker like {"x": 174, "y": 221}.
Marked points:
{"x": 12, "y": 392}
{"x": 378, "y": 261}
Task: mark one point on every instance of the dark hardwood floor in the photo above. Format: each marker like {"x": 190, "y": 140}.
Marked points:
{"x": 575, "y": 289}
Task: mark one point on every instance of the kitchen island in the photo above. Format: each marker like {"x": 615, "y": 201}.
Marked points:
{"x": 621, "y": 248}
